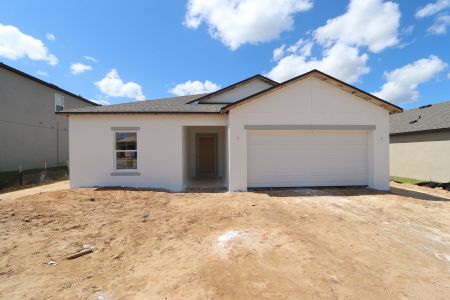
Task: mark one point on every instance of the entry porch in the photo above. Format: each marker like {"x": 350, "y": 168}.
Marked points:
{"x": 204, "y": 158}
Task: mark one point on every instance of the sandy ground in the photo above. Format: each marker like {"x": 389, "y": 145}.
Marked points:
{"x": 57, "y": 186}
{"x": 342, "y": 243}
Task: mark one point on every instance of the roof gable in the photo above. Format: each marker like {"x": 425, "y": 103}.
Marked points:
{"x": 238, "y": 91}
{"x": 326, "y": 78}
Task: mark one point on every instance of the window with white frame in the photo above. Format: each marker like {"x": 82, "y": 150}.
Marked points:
{"x": 59, "y": 102}
{"x": 126, "y": 150}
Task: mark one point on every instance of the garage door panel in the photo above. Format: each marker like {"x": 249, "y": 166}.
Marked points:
{"x": 307, "y": 158}
{"x": 309, "y": 136}
{"x": 310, "y": 152}
{"x": 309, "y": 181}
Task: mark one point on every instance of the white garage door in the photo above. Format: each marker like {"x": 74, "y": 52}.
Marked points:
{"x": 294, "y": 158}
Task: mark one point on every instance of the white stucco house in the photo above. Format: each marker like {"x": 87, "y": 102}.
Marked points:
{"x": 312, "y": 130}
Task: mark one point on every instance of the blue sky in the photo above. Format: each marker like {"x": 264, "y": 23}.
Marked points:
{"x": 153, "y": 49}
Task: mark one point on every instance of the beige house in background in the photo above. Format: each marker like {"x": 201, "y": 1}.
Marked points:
{"x": 420, "y": 143}
{"x": 31, "y": 133}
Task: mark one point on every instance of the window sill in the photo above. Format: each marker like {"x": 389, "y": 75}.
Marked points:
{"x": 125, "y": 174}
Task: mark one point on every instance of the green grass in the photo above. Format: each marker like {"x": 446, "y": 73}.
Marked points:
{"x": 406, "y": 180}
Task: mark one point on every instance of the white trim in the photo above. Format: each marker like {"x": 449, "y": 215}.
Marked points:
{"x": 124, "y": 172}
{"x": 125, "y": 129}
{"x": 59, "y": 101}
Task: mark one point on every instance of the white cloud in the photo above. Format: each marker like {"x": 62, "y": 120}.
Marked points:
{"x": 278, "y": 53}
{"x": 15, "y": 44}
{"x": 448, "y": 75}
{"x": 440, "y": 25}
{"x": 341, "y": 61}
{"x": 442, "y": 21}
{"x": 112, "y": 85}
{"x": 237, "y": 22}
{"x": 371, "y": 23}
{"x": 79, "y": 68}
{"x": 301, "y": 47}
{"x": 93, "y": 59}
{"x": 194, "y": 87}
{"x": 101, "y": 101}
{"x": 41, "y": 73}
{"x": 50, "y": 36}
{"x": 401, "y": 85}
{"x": 432, "y": 8}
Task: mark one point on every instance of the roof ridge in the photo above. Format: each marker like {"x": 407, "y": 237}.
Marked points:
{"x": 429, "y": 105}
{"x": 176, "y": 97}
{"x": 156, "y": 99}
{"x": 165, "y": 105}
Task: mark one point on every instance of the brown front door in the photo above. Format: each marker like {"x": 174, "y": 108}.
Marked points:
{"x": 206, "y": 154}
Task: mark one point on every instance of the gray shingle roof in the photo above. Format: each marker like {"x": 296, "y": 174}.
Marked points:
{"x": 166, "y": 105}
{"x": 436, "y": 116}
{"x": 188, "y": 104}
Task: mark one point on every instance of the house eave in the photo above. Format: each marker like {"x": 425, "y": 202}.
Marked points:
{"x": 134, "y": 113}
{"x": 420, "y": 131}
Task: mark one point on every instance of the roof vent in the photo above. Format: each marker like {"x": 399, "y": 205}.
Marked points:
{"x": 425, "y": 106}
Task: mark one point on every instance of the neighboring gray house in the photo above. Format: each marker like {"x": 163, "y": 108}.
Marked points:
{"x": 31, "y": 133}
{"x": 420, "y": 143}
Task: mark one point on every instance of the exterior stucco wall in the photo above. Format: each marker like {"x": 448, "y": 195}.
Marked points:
{"x": 185, "y": 159}
{"x": 309, "y": 102}
{"x": 161, "y": 145}
{"x": 239, "y": 92}
{"x": 424, "y": 156}
{"x": 30, "y": 131}
{"x": 165, "y": 141}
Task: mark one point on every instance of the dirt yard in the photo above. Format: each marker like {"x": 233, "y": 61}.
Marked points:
{"x": 342, "y": 243}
